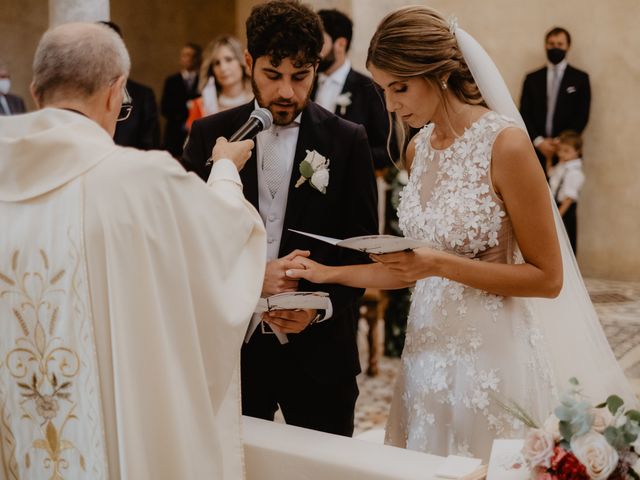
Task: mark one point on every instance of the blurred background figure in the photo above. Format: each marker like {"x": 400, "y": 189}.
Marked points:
{"x": 224, "y": 81}
{"x": 178, "y": 90}
{"x": 9, "y": 104}
{"x": 348, "y": 93}
{"x": 566, "y": 180}
{"x": 555, "y": 98}
{"x": 142, "y": 128}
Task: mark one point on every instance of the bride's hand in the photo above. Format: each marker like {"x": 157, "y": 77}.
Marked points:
{"x": 312, "y": 271}
{"x": 411, "y": 266}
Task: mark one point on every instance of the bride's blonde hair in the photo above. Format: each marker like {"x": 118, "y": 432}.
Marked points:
{"x": 417, "y": 41}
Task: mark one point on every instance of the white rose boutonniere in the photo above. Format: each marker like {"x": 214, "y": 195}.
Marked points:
{"x": 314, "y": 168}
{"x": 343, "y": 101}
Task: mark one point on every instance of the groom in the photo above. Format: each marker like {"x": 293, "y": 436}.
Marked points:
{"x": 309, "y": 373}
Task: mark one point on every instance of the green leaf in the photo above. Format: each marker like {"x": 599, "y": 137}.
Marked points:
{"x": 614, "y": 437}
{"x": 614, "y": 402}
{"x": 629, "y": 437}
{"x": 601, "y": 405}
{"x": 565, "y": 430}
{"x": 633, "y": 415}
{"x": 306, "y": 170}
{"x": 574, "y": 381}
{"x": 632, "y": 473}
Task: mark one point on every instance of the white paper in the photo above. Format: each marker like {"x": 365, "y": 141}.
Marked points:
{"x": 506, "y": 461}
{"x": 371, "y": 243}
{"x": 293, "y": 301}
{"x": 457, "y": 467}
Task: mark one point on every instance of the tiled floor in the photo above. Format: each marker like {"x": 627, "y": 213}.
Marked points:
{"x": 617, "y": 304}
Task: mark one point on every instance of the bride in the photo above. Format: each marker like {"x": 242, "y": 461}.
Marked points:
{"x": 499, "y": 311}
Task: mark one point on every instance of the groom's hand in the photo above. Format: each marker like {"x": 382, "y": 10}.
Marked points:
{"x": 289, "y": 321}
{"x": 275, "y": 277}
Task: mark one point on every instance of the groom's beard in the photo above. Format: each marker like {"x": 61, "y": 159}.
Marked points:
{"x": 281, "y": 117}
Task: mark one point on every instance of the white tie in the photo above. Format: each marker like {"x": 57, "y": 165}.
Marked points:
{"x": 273, "y": 167}
{"x": 552, "y": 96}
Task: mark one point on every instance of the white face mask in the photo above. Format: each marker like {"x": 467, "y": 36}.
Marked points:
{"x": 5, "y": 85}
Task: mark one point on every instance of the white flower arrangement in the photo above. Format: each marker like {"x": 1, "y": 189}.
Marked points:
{"x": 343, "y": 101}
{"x": 315, "y": 169}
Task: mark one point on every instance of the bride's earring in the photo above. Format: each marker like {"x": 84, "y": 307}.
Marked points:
{"x": 444, "y": 85}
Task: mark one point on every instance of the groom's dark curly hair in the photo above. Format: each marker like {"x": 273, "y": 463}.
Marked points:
{"x": 284, "y": 29}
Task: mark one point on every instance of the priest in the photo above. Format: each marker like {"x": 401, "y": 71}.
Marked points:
{"x": 125, "y": 285}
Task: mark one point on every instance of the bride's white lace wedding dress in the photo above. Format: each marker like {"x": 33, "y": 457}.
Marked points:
{"x": 465, "y": 349}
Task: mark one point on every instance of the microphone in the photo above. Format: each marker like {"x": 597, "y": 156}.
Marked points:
{"x": 260, "y": 119}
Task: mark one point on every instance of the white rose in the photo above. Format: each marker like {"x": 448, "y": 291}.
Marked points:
{"x": 538, "y": 448}
{"x": 320, "y": 179}
{"x": 552, "y": 426}
{"x": 602, "y": 418}
{"x": 594, "y": 452}
{"x": 316, "y": 161}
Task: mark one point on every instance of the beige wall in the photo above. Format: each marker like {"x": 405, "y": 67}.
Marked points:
{"x": 22, "y": 22}
{"x": 606, "y": 45}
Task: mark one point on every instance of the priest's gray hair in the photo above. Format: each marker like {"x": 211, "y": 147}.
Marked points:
{"x": 75, "y": 60}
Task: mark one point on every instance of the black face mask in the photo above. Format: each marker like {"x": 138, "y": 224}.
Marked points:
{"x": 556, "y": 55}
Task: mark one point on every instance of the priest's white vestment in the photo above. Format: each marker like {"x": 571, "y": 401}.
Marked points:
{"x": 126, "y": 286}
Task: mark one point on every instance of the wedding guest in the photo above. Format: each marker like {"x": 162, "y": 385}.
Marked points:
{"x": 566, "y": 180}
{"x": 350, "y": 94}
{"x": 123, "y": 312}
{"x": 178, "y": 90}
{"x": 308, "y": 369}
{"x": 497, "y": 295}
{"x": 556, "y": 97}
{"x": 224, "y": 81}
{"x": 9, "y": 104}
{"x": 142, "y": 128}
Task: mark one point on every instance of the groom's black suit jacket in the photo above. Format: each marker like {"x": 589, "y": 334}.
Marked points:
{"x": 328, "y": 349}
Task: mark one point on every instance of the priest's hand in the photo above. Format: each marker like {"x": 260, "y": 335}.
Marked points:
{"x": 275, "y": 276}
{"x": 289, "y": 321}
{"x": 237, "y": 152}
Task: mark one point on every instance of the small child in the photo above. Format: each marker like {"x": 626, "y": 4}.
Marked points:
{"x": 566, "y": 179}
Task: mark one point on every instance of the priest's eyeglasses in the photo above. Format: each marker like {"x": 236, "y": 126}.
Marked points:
{"x": 126, "y": 107}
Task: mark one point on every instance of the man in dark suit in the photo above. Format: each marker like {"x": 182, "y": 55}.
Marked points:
{"x": 9, "y": 104}
{"x": 348, "y": 93}
{"x": 178, "y": 90}
{"x": 142, "y": 128}
{"x": 309, "y": 373}
{"x": 555, "y": 98}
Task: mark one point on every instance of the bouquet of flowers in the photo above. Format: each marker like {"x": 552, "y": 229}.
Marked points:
{"x": 580, "y": 441}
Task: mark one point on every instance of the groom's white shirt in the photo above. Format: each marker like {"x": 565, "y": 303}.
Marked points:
{"x": 273, "y": 208}
{"x": 151, "y": 303}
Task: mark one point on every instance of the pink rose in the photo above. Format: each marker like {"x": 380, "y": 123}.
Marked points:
{"x": 538, "y": 448}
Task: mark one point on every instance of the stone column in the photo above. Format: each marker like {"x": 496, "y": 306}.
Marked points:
{"x": 65, "y": 11}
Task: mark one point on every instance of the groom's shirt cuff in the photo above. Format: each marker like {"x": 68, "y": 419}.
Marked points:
{"x": 224, "y": 169}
